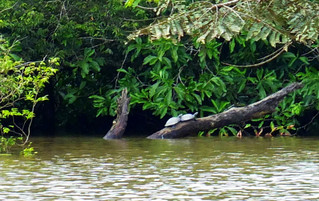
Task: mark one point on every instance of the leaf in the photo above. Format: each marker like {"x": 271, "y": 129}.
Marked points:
{"x": 130, "y": 48}
{"x": 254, "y": 30}
{"x": 260, "y": 73}
{"x": 180, "y": 92}
{"x": 304, "y": 60}
{"x": 272, "y": 126}
{"x": 232, "y": 130}
{"x": 70, "y": 98}
{"x": 198, "y": 98}
{"x": 214, "y": 104}
{"x": 147, "y": 106}
{"x": 242, "y": 86}
{"x": 232, "y": 45}
{"x": 153, "y": 89}
{"x": 292, "y": 61}
{"x": 208, "y": 109}
{"x": 15, "y": 57}
{"x": 272, "y": 38}
{"x": 223, "y": 105}
{"x": 265, "y": 33}
{"x": 43, "y": 98}
{"x": 179, "y": 29}
{"x": 88, "y": 52}
{"x": 97, "y": 97}
{"x": 234, "y": 27}
{"x": 84, "y": 69}
{"x": 201, "y": 133}
{"x": 163, "y": 112}
{"x": 157, "y": 33}
{"x": 174, "y": 54}
{"x": 129, "y": 3}
{"x": 95, "y": 66}
{"x": 168, "y": 97}
{"x": 247, "y": 126}
{"x": 167, "y": 61}
{"x": 261, "y": 91}
{"x": 261, "y": 124}
{"x": 83, "y": 84}
{"x": 135, "y": 3}
{"x": 122, "y": 70}
{"x": 149, "y": 59}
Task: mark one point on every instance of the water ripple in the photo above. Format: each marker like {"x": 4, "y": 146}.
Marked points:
{"x": 151, "y": 171}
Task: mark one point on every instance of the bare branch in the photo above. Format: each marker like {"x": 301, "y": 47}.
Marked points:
{"x": 281, "y": 50}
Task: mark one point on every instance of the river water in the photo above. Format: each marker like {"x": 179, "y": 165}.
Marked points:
{"x": 213, "y": 168}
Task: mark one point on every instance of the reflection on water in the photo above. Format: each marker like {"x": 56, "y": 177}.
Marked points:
{"x": 184, "y": 169}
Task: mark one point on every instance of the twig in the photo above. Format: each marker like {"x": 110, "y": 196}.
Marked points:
{"x": 229, "y": 3}
{"x": 27, "y": 63}
{"x": 145, "y": 8}
{"x": 141, "y": 20}
{"x": 260, "y": 63}
{"x": 122, "y": 66}
{"x": 270, "y": 55}
{"x": 312, "y": 119}
{"x": 103, "y": 39}
{"x": 235, "y": 12}
{"x": 179, "y": 75}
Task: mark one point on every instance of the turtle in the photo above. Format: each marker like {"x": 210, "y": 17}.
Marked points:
{"x": 187, "y": 117}
{"x": 173, "y": 121}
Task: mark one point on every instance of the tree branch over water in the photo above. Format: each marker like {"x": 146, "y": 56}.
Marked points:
{"x": 234, "y": 115}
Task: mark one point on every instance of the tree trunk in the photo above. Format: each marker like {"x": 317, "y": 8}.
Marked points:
{"x": 120, "y": 123}
{"x": 234, "y": 115}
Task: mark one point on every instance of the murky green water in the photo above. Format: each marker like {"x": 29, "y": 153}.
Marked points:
{"x": 184, "y": 169}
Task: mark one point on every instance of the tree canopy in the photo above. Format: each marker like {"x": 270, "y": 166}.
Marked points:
{"x": 278, "y": 22}
{"x": 173, "y": 56}
{"x": 279, "y": 37}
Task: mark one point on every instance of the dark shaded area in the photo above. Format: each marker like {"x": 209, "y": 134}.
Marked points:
{"x": 143, "y": 123}
{"x": 310, "y": 123}
{"x": 140, "y": 123}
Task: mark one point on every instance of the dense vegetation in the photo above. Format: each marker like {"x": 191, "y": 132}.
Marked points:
{"x": 174, "y": 56}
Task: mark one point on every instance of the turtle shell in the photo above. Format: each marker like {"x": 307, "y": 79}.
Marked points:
{"x": 187, "y": 117}
{"x": 173, "y": 121}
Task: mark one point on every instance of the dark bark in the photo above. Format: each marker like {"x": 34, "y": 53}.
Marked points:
{"x": 235, "y": 115}
{"x": 120, "y": 123}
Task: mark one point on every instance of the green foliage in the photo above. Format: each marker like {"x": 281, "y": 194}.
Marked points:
{"x": 20, "y": 87}
{"x": 170, "y": 75}
{"x": 7, "y": 143}
{"x": 88, "y": 64}
{"x": 195, "y": 64}
{"x": 216, "y": 88}
{"x": 88, "y": 37}
{"x": 253, "y": 29}
{"x": 223, "y": 132}
{"x": 275, "y": 21}
{"x": 28, "y": 151}
{"x": 135, "y": 3}
{"x": 106, "y": 104}
{"x": 311, "y": 81}
{"x": 164, "y": 91}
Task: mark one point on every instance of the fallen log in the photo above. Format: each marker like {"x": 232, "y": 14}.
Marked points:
{"x": 120, "y": 123}
{"x": 235, "y": 115}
